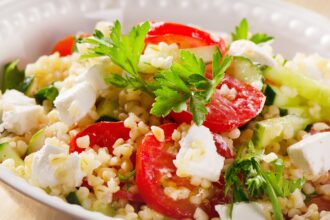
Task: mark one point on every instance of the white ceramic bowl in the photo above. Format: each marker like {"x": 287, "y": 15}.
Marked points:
{"x": 29, "y": 28}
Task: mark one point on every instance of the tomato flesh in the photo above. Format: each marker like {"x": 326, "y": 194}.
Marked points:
{"x": 65, "y": 46}
{"x": 155, "y": 170}
{"x": 183, "y": 35}
{"x": 224, "y": 115}
{"x": 101, "y": 134}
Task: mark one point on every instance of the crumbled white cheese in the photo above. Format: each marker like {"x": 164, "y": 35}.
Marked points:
{"x": 74, "y": 103}
{"x": 52, "y": 166}
{"x": 312, "y": 153}
{"x": 158, "y": 56}
{"x": 252, "y": 51}
{"x": 242, "y": 211}
{"x": 95, "y": 76}
{"x": 20, "y": 113}
{"x": 198, "y": 155}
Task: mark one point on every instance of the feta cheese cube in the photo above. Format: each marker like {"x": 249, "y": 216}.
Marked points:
{"x": 21, "y": 119}
{"x": 19, "y": 113}
{"x": 74, "y": 103}
{"x": 252, "y": 51}
{"x": 198, "y": 155}
{"x": 52, "y": 166}
{"x": 94, "y": 76}
{"x": 242, "y": 211}
{"x": 312, "y": 153}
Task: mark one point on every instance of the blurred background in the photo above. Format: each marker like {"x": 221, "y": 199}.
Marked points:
{"x": 320, "y": 6}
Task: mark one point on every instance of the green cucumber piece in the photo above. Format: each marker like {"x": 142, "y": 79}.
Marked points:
{"x": 106, "y": 109}
{"x": 306, "y": 87}
{"x": 272, "y": 130}
{"x": 270, "y": 95}
{"x": 7, "y": 152}
{"x": 243, "y": 69}
{"x": 37, "y": 141}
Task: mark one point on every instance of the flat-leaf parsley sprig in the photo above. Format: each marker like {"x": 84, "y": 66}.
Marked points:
{"x": 242, "y": 33}
{"x": 184, "y": 83}
{"x": 124, "y": 50}
{"x": 246, "y": 180}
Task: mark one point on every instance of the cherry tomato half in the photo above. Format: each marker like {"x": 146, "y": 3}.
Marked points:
{"x": 65, "y": 46}
{"x": 183, "y": 35}
{"x": 224, "y": 115}
{"x": 101, "y": 134}
{"x": 155, "y": 170}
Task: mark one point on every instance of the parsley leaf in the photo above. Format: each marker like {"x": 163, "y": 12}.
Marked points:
{"x": 259, "y": 38}
{"x": 255, "y": 181}
{"x": 13, "y": 78}
{"x": 124, "y": 50}
{"x": 185, "y": 83}
{"x": 242, "y": 33}
{"x": 48, "y": 93}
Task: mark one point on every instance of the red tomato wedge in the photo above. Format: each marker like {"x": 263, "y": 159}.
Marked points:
{"x": 65, "y": 46}
{"x": 155, "y": 170}
{"x": 101, "y": 134}
{"x": 224, "y": 115}
{"x": 183, "y": 35}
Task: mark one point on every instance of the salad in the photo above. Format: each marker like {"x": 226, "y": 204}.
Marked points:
{"x": 169, "y": 121}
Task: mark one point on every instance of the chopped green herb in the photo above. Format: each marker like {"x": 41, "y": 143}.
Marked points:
{"x": 283, "y": 112}
{"x": 246, "y": 180}
{"x": 72, "y": 198}
{"x": 13, "y": 78}
{"x": 242, "y": 33}
{"x": 48, "y": 93}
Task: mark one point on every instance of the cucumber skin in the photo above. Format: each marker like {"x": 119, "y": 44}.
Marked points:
{"x": 6, "y": 152}
{"x": 272, "y": 130}
{"x": 306, "y": 87}
{"x": 36, "y": 141}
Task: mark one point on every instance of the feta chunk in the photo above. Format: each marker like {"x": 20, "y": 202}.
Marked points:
{"x": 198, "y": 155}
{"x": 242, "y": 211}
{"x": 94, "y": 76}
{"x": 52, "y": 166}
{"x": 20, "y": 113}
{"x": 21, "y": 119}
{"x": 42, "y": 172}
{"x": 252, "y": 51}
{"x": 74, "y": 103}
{"x": 312, "y": 153}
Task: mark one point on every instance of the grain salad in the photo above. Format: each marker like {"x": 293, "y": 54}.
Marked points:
{"x": 170, "y": 121}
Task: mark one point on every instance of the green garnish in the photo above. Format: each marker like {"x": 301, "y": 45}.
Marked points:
{"x": 246, "y": 180}
{"x": 124, "y": 50}
{"x": 13, "y": 78}
{"x": 183, "y": 83}
{"x": 242, "y": 33}
{"x": 48, "y": 93}
{"x": 72, "y": 198}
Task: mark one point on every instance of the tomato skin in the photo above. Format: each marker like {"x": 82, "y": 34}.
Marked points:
{"x": 151, "y": 159}
{"x": 101, "y": 134}
{"x": 65, "y": 46}
{"x": 185, "y": 36}
{"x": 225, "y": 115}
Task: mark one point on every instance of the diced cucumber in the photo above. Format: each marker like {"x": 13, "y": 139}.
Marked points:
{"x": 272, "y": 130}
{"x": 37, "y": 141}
{"x": 106, "y": 109}
{"x": 205, "y": 52}
{"x": 243, "y": 69}
{"x": 270, "y": 95}
{"x": 283, "y": 100}
{"x": 72, "y": 198}
{"x": 7, "y": 152}
{"x": 306, "y": 87}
